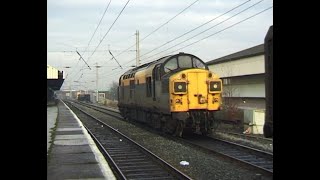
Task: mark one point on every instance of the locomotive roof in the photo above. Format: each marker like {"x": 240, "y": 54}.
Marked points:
{"x": 158, "y": 61}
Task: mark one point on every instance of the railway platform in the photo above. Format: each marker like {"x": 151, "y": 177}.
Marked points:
{"x": 72, "y": 153}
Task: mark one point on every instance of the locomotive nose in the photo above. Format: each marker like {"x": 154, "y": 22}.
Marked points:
{"x": 201, "y": 99}
{"x": 197, "y": 90}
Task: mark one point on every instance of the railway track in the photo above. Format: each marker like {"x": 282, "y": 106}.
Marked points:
{"x": 128, "y": 159}
{"x": 110, "y": 111}
{"x": 257, "y": 142}
{"x": 244, "y": 154}
{"x": 250, "y": 156}
{"x": 247, "y": 136}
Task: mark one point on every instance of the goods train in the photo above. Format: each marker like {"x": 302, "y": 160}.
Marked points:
{"x": 84, "y": 97}
{"x": 268, "y": 45}
{"x": 175, "y": 93}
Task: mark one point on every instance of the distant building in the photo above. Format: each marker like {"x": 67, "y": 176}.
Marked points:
{"x": 243, "y": 77}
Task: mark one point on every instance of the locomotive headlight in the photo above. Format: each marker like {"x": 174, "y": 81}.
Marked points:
{"x": 180, "y": 87}
{"x": 215, "y": 86}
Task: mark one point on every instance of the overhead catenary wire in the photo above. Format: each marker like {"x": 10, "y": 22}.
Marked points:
{"x": 159, "y": 27}
{"x": 109, "y": 28}
{"x": 197, "y": 28}
{"x": 169, "y": 20}
{"x": 205, "y": 29}
{"x": 115, "y": 59}
{"x": 73, "y": 51}
{"x": 108, "y": 74}
{"x": 94, "y": 32}
{"x": 222, "y": 30}
{"x": 84, "y": 60}
{"x": 112, "y": 74}
{"x": 98, "y": 26}
{"x": 107, "y": 31}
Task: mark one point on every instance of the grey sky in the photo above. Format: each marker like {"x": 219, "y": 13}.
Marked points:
{"x": 71, "y": 24}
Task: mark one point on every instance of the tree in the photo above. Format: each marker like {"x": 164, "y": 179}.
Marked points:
{"x": 113, "y": 92}
{"x": 230, "y": 112}
{"x": 229, "y": 105}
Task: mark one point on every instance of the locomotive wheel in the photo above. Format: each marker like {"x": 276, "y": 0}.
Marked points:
{"x": 206, "y": 132}
{"x": 215, "y": 124}
{"x": 170, "y": 125}
{"x": 179, "y": 129}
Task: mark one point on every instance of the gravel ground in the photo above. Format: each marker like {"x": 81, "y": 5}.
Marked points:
{"x": 255, "y": 143}
{"x": 258, "y": 144}
{"x": 201, "y": 165}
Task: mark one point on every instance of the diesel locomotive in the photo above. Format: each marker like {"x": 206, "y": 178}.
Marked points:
{"x": 84, "y": 98}
{"x": 175, "y": 93}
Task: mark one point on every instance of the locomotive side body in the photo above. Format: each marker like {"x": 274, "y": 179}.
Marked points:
{"x": 174, "y": 93}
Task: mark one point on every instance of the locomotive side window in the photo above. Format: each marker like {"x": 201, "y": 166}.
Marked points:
{"x": 198, "y": 64}
{"x": 171, "y": 65}
{"x": 185, "y": 62}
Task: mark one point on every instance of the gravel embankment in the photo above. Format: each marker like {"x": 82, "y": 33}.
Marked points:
{"x": 222, "y": 133}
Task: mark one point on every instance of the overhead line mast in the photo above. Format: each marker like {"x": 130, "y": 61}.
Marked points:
{"x": 137, "y": 49}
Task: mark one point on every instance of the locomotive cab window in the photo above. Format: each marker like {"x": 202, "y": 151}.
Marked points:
{"x": 185, "y": 62}
{"x": 171, "y": 65}
{"x": 198, "y": 64}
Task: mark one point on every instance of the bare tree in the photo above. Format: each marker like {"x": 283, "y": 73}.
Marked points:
{"x": 230, "y": 112}
{"x": 229, "y": 105}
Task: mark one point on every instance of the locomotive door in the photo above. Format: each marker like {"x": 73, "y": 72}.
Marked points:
{"x": 155, "y": 77}
{"x": 197, "y": 90}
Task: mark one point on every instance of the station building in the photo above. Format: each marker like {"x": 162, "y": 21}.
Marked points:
{"x": 243, "y": 78}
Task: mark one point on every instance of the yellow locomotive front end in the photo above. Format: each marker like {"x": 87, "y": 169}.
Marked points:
{"x": 195, "y": 89}
{"x": 195, "y": 94}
